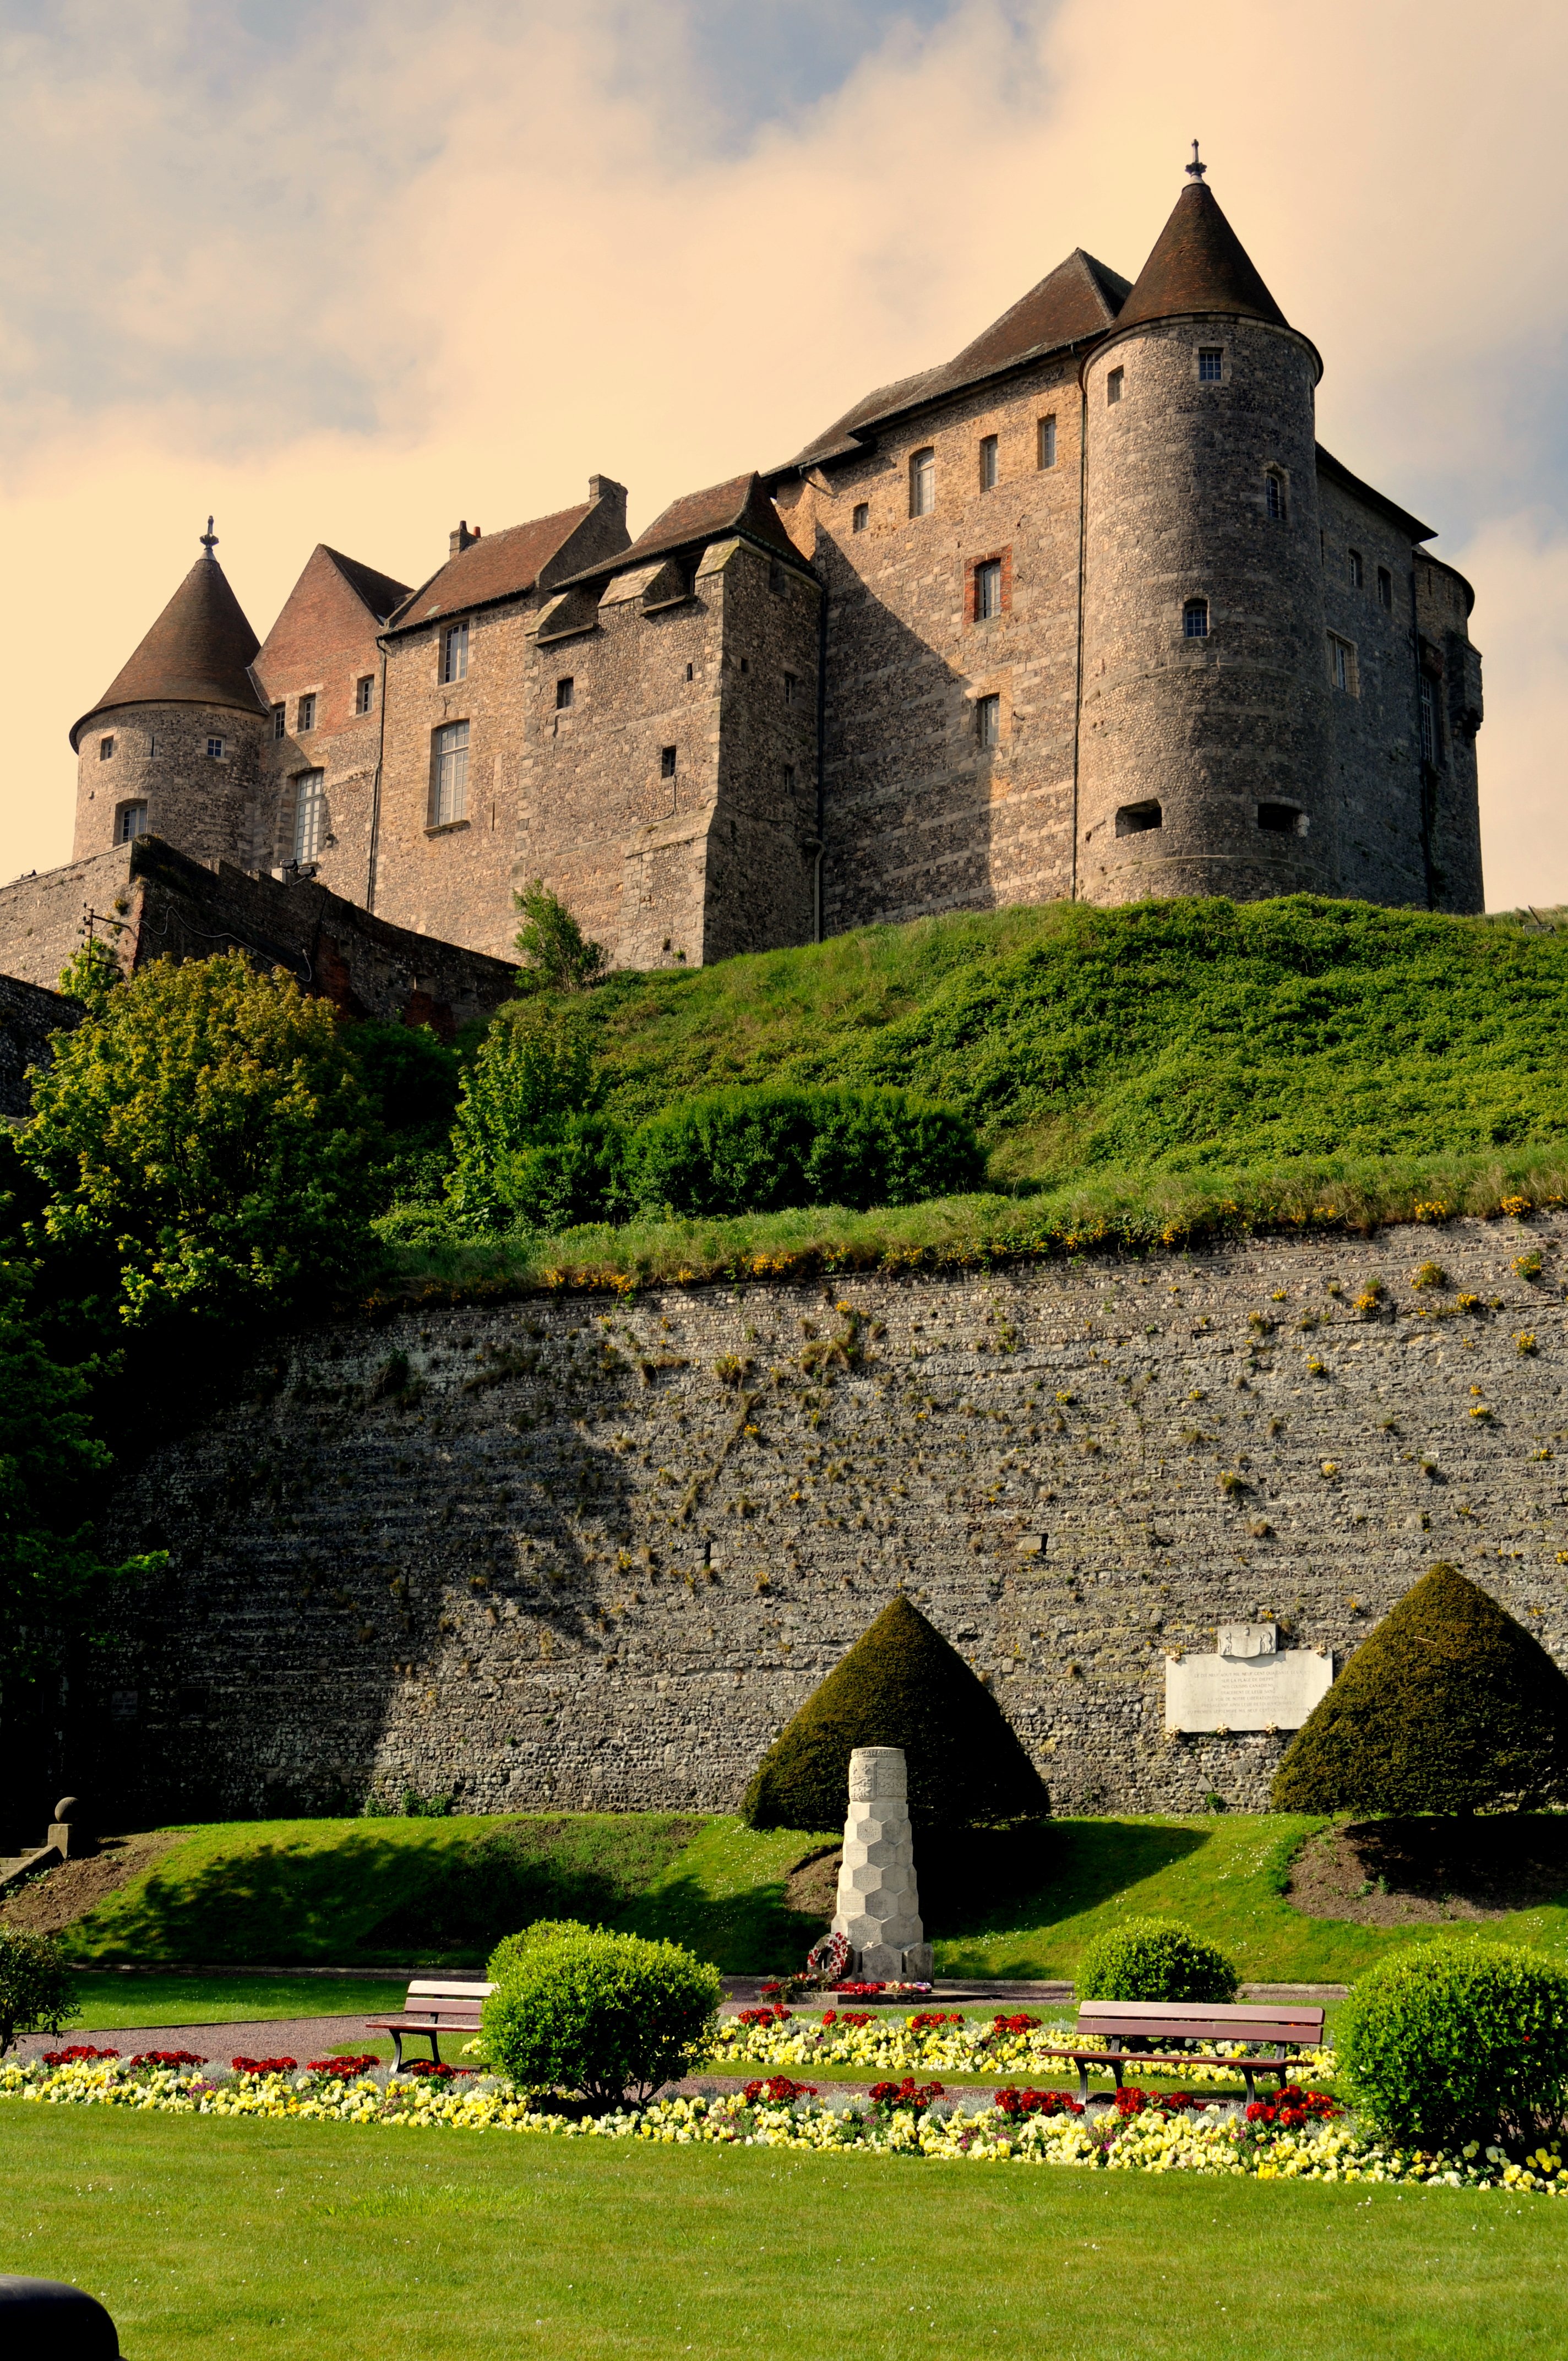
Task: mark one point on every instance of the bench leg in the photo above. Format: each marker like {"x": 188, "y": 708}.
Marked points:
{"x": 1083, "y": 2088}
{"x": 397, "y": 2046}
{"x": 435, "y": 2050}
{"x": 1249, "y": 2077}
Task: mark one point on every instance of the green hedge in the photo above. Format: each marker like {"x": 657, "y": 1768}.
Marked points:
{"x": 608, "y": 2016}
{"x": 1155, "y": 1958}
{"x": 759, "y": 1150}
{"x": 1455, "y": 2041}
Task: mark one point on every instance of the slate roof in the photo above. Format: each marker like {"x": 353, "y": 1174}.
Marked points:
{"x": 497, "y": 565}
{"x": 1077, "y": 300}
{"x": 379, "y": 592}
{"x": 1198, "y": 264}
{"x": 741, "y": 505}
{"x": 198, "y": 653}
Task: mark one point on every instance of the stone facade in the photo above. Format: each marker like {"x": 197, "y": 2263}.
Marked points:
{"x": 29, "y": 1017}
{"x": 995, "y": 694}
{"x": 561, "y": 1552}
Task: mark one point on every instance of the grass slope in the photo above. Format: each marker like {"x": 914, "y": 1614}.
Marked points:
{"x": 109, "y": 1999}
{"x": 315, "y": 2241}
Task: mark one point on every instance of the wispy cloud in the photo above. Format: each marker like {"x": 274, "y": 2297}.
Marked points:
{"x": 344, "y": 272}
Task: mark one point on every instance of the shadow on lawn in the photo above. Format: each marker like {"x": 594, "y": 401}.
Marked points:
{"x": 1005, "y": 1881}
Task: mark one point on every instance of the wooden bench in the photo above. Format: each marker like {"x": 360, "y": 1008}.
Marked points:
{"x": 429, "y": 2011}
{"x": 1126, "y": 2031}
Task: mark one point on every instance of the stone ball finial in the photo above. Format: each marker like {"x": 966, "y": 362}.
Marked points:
{"x": 66, "y": 1808}
{"x": 878, "y": 1774}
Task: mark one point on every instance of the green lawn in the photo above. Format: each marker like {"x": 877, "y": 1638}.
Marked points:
{"x": 281, "y": 2242}
{"x": 111, "y": 1999}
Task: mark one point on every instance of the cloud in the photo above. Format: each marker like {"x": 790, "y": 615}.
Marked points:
{"x": 344, "y": 273}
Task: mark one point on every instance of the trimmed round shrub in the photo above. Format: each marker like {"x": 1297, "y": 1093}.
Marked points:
{"x": 609, "y": 2017}
{"x": 37, "y": 1990}
{"x": 760, "y": 1151}
{"x": 1155, "y": 1958}
{"x": 1450, "y": 1706}
{"x": 901, "y": 1684}
{"x": 510, "y": 1948}
{"x": 1454, "y": 2041}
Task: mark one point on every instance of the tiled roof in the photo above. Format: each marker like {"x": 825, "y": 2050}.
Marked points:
{"x": 379, "y": 592}
{"x": 741, "y": 505}
{"x": 1199, "y": 264}
{"x": 497, "y": 565}
{"x": 1078, "y": 300}
{"x": 198, "y": 653}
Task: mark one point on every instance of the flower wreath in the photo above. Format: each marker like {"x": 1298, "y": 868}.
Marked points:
{"x": 828, "y": 1957}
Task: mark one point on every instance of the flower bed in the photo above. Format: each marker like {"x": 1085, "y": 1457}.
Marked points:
{"x": 1299, "y": 2135}
{"x": 775, "y": 2035}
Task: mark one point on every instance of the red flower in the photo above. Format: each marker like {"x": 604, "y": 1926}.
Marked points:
{"x": 778, "y": 2091}
{"x": 264, "y": 2065}
{"x": 1017, "y": 2024}
{"x": 344, "y": 2069}
{"x": 77, "y": 2055}
{"x": 907, "y": 2093}
{"x": 1014, "y": 2101}
{"x": 166, "y": 2057}
{"x": 762, "y": 2016}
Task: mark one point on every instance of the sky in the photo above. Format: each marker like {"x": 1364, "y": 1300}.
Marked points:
{"x": 347, "y": 273}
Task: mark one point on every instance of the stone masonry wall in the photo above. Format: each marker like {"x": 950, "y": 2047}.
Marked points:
{"x": 568, "y": 1551}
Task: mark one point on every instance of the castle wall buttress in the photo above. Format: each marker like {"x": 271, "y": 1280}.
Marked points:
{"x": 1450, "y": 673}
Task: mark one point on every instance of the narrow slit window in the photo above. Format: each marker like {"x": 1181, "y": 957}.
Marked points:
{"x": 1113, "y": 385}
{"x": 307, "y": 716}
{"x": 988, "y": 463}
{"x": 310, "y": 814}
{"x": 449, "y": 790}
{"x": 791, "y": 687}
{"x": 1429, "y": 724}
{"x": 789, "y": 779}
{"x": 280, "y": 721}
{"x": 1274, "y": 497}
{"x": 1046, "y": 445}
{"x": 454, "y": 652}
{"x": 691, "y": 672}
{"x": 565, "y": 693}
{"x": 1385, "y": 589}
{"x": 1341, "y": 664}
{"x": 1135, "y": 819}
{"x": 862, "y": 516}
{"x": 130, "y": 823}
{"x": 364, "y": 692}
{"x": 987, "y": 590}
{"x": 1210, "y": 364}
{"x": 667, "y": 761}
{"x": 1357, "y": 571}
{"x": 988, "y": 721}
{"x": 1195, "y": 620}
{"x": 922, "y": 483}
{"x": 105, "y": 749}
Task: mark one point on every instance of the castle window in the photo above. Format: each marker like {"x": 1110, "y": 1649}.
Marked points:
{"x": 1357, "y": 571}
{"x": 1273, "y": 496}
{"x": 789, "y": 779}
{"x": 1195, "y": 620}
{"x": 215, "y": 749}
{"x": 1385, "y": 588}
{"x": 988, "y": 463}
{"x": 565, "y": 693}
{"x": 105, "y": 748}
{"x": 1430, "y": 748}
{"x": 691, "y": 674}
{"x": 667, "y": 761}
{"x": 1134, "y": 818}
{"x": 1046, "y": 443}
{"x": 791, "y": 687}
{"x": 310, "y": 814}
{"x": 1210, "y": 364}
{"x": 307, "y": 720}
{"x": 1281, "y": 819}
{"x": 987, "y": 590}
{"x": 449, "y": 784}
{"x": 922, "y": 483}
{"x": 130, "y": 821}
{"x": 988, "y": 721}
{"x": 861, "y": 517}
{"x": 364, "y": 692}
{"x": 279, "y": 720}
{"x": 1341, "y": 666}
{"x": 454, "y": 652}
{"x": 1113, "y": 384}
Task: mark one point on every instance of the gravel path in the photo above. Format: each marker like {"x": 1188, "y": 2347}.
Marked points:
{"x": 280, "y": 2037}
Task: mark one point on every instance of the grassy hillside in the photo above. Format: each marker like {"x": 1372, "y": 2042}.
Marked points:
{"x": 1165, "y": 1037}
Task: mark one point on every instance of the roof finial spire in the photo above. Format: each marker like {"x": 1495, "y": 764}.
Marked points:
{"x": 1195, "y": 171}
{"x": 209, "y": 540}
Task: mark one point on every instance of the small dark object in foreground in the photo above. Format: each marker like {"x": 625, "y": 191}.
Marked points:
{"x": 46, "y": 2319}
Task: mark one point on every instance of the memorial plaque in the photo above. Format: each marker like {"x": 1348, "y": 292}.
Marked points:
{"x": 1264, "y": 1692}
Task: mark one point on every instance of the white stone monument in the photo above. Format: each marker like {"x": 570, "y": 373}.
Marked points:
{"x": 879, "y": 1907}
{"x": 1249, "y": 1683}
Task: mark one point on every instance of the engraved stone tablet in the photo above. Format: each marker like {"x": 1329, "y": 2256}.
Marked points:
{"x": 1265, "y": 1692}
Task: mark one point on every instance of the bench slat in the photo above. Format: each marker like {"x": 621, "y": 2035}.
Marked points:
{"x": 423, "y": 1991}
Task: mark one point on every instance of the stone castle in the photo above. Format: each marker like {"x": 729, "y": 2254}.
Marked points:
{"x": 1085, "y": 612}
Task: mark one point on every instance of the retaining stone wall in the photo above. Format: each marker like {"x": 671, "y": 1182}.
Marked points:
{"x": 566, "y": 1552}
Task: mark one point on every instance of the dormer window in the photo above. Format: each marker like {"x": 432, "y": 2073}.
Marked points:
{"x": 307, "y": 720}
{"x": 1113, "y": 385}
{"x": 105, "y": 749}
{"x": 454, "y": 652}
{"x": 922, "y": 483}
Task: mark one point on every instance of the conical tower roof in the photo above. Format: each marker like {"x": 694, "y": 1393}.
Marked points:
{"x": 198, "y": 652}
{"x": 1199, "y": 264}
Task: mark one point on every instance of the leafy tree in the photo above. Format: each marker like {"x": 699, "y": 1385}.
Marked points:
{"x": 204, "y": 1136}
{"x": 533, "y": 1074}
{"x": 37, "y": 1990}
{"x": 557, "y": 955}
{"x": 414, "y": 1082}
{"x": 1450, "y": 1706}
{"x": 91, "y": 974}
{"x": 901, "y": 1684}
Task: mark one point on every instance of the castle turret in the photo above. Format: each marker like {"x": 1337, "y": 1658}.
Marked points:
{"x": 173, "y": 746}
{"x": 1203, "y": 757}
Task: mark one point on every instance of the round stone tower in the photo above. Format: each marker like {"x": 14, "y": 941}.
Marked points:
{"x": 1203, "y": 750}
{"x": 173, "y": 747}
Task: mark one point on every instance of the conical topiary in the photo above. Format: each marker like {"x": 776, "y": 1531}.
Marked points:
{"x": 1450, "y": 1706}
{"x": 901, "y": 1684}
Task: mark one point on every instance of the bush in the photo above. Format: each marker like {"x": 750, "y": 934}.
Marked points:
{"x": 1450, "y": 1706}
{"x": 758, "y": 1151}
{"x": 204, "y": 1140}
{"x": 1454, "y": 2041}
{"x": 901, "y": 1684}
{"x": 557, "y": 956}
{"x": 1155, "y": 1958}
{"x": 577, "y": 1177}
{"x": 533, "y": 1074}
{"x": 504, "y": 1958}
{"x": 37, "y": 1990}
{"x": 610, "y": 2017}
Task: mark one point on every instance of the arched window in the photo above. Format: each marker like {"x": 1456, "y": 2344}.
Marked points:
{"x": 1273, "y": 496}
{"x": 922, "y": 483}
{"x": 1195, "y": 620}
